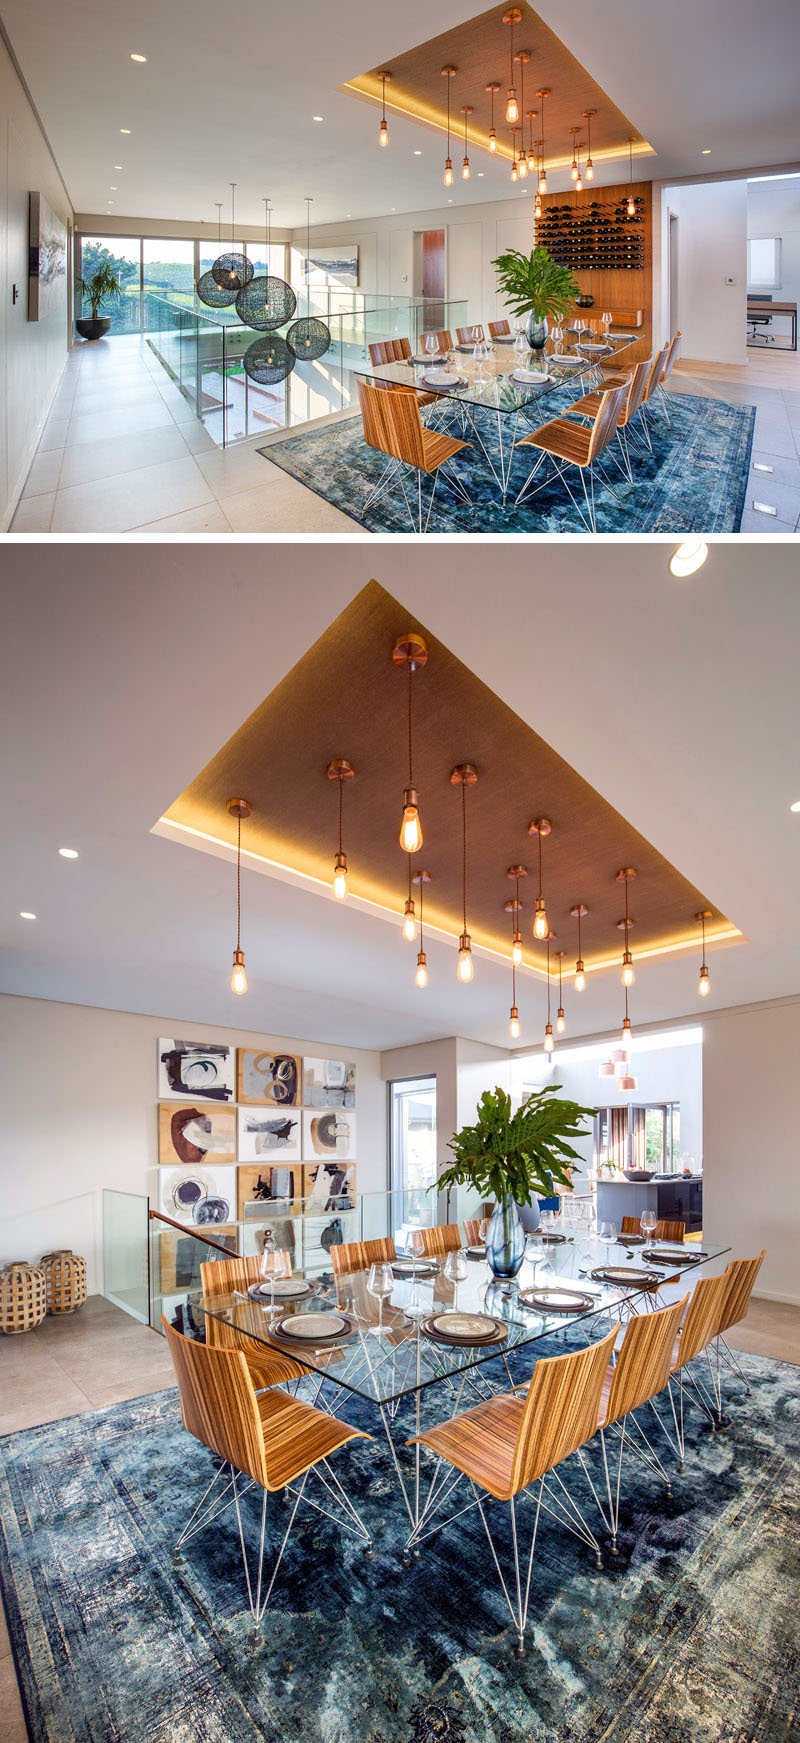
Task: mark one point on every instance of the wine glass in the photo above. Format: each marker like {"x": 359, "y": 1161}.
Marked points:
{"x": 380, "y": 1283}
{"x": 547, "y": 1221}
{"x": 557, "y": 336}
{"x": 455, "y": 1270}
{"x": 274, "y": 1264}
{"x": 607, "y": 1232}
{"x": 605, "y": 319}
{"x": 520, "y": 341}
{"x": 431, "y": 344}
{"x": 534, "y": 1253}
{"x": 647, "y": 1224}
{"x": 480, "y": 353}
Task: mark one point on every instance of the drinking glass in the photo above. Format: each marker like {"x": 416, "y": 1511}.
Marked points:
{"x": 431, "y": 344}
{"x": 607, "y": 1232}
{"x": 480, "y": 353}
{"x": 455, "y": 1270}
{"x": 483, "y": 1228}
{"x": 558, "y": 337}
{"x": 606, "y": 321}
{"x": 274, "y": 1264}
{"x": 380, "y": 1283}
{"x": 647, "y": 1223}
{"x": 547, "y": 1221}
{"x": 520, "y": 342}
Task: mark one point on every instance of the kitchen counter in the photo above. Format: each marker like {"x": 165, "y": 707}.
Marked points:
{"x": 675, "y": 1198}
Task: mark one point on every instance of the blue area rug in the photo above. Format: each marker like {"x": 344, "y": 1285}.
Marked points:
{"x": 691, "y": 1637}
{"x": 694, "y": 482}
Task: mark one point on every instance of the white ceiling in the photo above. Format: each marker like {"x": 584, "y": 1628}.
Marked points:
{"x": 229, "y": 96}
{"x": 124, "y": 669}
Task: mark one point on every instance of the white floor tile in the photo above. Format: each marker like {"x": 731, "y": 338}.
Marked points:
{"x": 90, "y": 460}
{"x": 237, "y": 468}
{"x": 116, "y": 505}
{"x": 104, "y": 425}
{"x": 33, "y": 514}
{"x": 284, "y": 506}
{"x": 54, "y": 434}
{"x": 44, "y": 472}
{"x": 208, "y": 519}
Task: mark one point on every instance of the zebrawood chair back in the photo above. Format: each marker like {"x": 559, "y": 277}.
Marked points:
{"x": 606, "y": 420}
{"x": 434, "y": 1243}
{"x": 351, "y": 1256}
{"x": 741, "y": 1275}
{"x": 644, "y": 1362}
{"x": 671, "y": 358}
{"x": 218, "y": 1402}
{"x": 561, "y": 1410}
{"x": 656, "y": 371}
{"x": 630, "y": 1226}
{"x": 392, "y": 424}
{"x": 219, "y": 1278}
{"x": 469, "y": 335}
{"x": 444, "y": 337}
{"x": 389, "y": 350}
{"x": 636, "y": 389}
{"x": 498, "y": 328}
{"x": 472, "y": 1231}
{"x": 702, "y": 1317}
{"x": 667, "y": 1230}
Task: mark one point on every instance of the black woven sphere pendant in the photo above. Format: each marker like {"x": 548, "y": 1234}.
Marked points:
{"x": 231, "y": 272}
{"x": 269, "y": 360}
{"x": 308, "y": 338}
{"x": 265, "y": 303}
{"x": 212, "y": 294}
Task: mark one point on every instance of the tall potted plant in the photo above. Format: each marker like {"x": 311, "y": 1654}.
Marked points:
{"x": 511, "y": 1157}
{"x": 95, "y": 291}
{"x": 535, "y": 285}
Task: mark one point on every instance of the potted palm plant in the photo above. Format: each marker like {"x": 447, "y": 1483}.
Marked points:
{"x": 511, "y": 1157}
{"x": 95, "y": 291}
{"x": 535, "y": 285}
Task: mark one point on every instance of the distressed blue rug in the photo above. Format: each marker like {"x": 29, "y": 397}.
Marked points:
{"x": 691, "y": 1637}
{"x": 694, "y": 482}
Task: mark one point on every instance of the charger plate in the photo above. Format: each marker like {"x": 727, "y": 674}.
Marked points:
{"x": 556, "y": 1300}
{"x": 449, "y": 1339}
{"x": 631, "y": 1240}
{"x": 447, "y": 385}
{"x": 314, "y": 1329}
{"x": 475, "y": 1252}
{"x": 414, "y": 1268}
{"x": 286, "y": 1289}
{"x": 548, "y": 1239}
{"x": 624, "y": 1275}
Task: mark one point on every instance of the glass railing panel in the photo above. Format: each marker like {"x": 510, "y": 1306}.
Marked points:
{"x": 176, "y": 1255}
{"x": 126, "y": 1267}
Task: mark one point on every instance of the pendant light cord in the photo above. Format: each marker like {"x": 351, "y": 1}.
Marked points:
{"x": 233, "y": 217}
{"x": 464, "y": 852}
{"x": 410, "y": 767}
{"x": 239, "y": 883}
{"x": 409, "y": 879}
{"x": 548, "y": 977}
{"x": 580, "y": 952}
{"x": 341, "y": 797}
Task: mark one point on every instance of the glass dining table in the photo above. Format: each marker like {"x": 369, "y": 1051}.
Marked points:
{"x": 394, "y": 1352}
{"x": 489, "y": 386}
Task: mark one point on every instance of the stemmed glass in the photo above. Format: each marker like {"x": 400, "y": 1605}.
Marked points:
{"x": 480, "y": 353}
{"x": 483, "y": 1228}
{"x": 520, "y": 342}
{"x": 455, "y": 1270}
{"x": 607, "y": 1232}
{"x": 380, "y": 1283}
{"x": 274, "y": 1264}
{"x": 431, "y": 344}
{"x": 647, "y": 1224}
{"x": 557, "y": 337}
{"x": 605, "y": 319}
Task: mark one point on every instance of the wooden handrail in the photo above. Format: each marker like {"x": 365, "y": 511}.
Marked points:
{"x": 158, "y": 1216}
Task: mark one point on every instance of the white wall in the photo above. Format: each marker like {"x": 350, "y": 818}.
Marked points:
{"x": 474, "y": 237}
{"x": 82, "y": 1115}
{"x": 32, "y": 353}
{"x": 712, "y": 244}
{"x": 751, "y": 1138}
{"x": 463, "y": 1070}
{"x": 773, "y": 209}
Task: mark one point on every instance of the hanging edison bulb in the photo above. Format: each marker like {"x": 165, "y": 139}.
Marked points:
{"x": 464, "y": 775}
{"x": 466, "y": 967}
{"x": 540, "y": 827}
{"x": 239, "y": 808}
{"x": 421, "y": 976}
{"x": 513, "y": 1023}
{"x": 340, "y": 770}
{"x": 704, "y": 983}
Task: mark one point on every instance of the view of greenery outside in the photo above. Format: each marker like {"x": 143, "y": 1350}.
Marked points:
{"x": 123, "y": 256}
{"x": 157, "y": 267}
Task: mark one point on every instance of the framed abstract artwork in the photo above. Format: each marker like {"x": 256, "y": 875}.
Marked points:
{"x": 268, "y": 1185}
{"x": 271, "y": 1078}
{"x": 269, "y": 1135}
{"x": 47, "y": 253}
{"x": 196, "y": 1068}
{"x": 329, "y": 1136}
{"x": 180, "y": 1256}
{"x": 277, "y": 1227}
{"x": 191, "y": 1132}
{"x": 331, "y": 266}
{"x": 200, "y": 1197}
{"x": 329, "y": 1083}
{"x": 329, "y": 1186}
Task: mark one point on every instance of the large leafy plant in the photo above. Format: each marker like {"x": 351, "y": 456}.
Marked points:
{"x": 535, "y": 283}
{"x": 522, "y": 1153}
{"x": 104, "y": 285}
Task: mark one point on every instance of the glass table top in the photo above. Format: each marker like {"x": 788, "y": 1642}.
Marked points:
{"x": 389, "y": 1354}
{"x": 491, "y": 383}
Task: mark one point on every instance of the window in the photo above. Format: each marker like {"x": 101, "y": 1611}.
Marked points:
{"x": 764, "y": 263}
{"x": 638, "y": 1137}
{"x": 168, "y": 266}
{"x": 122, "y": 254}
{"x": 412, "y": 1147}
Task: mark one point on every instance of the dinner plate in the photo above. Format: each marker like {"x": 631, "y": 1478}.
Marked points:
{"x": 467, "y": 348}
{"x": 285, "y": 1289}
{"x": 477, "y": 1252}
{"x": 443, "y": 378}
{"x": 429, "y": 358}
{"x": 464, "y": 1325}
{"x": 530, "y": 377}
{"x": 503, "y": 339}
{"x": 556, "y": 1300}
{"x": 623, "y": 1275}
{"x": 548, "y": 1239}
{"x": 561, "y": 357}
{"x": 631, "y": 1240}
{"x": 414, "y": 1267}
{"x": 313, "y": 1328}
{"x": 594, "y": 346}
{"x": 450, "y": 1340}
{"x": 661, "y": 1258}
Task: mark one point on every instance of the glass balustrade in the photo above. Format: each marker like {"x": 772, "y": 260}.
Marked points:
{"x": 203, "y": 352}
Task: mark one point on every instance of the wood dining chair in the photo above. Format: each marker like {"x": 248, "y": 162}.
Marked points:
{"x": 433, "y": 1243}
{"x": 270, "y": 1439}
{"x": 397, "y": 351}
{"x": 351, "y": 1256}
{"x": 499, "y": 330}
{"x": 663, "y": 1231}
{"x": 267, "y": 1367}
{"x": 699, "y": 1329}
{"x": 640, "y": 1372}
{"x": 393, "y": 426}
{"x": 616, "y": 377}
{"x": 507, "y": 1443}
{"x": 444, "y": 337}
{"x": 472, "y": 1231}
{"x": 579, "y": 446}
{"x": 589, "y": 406}
{"x": 470, "y": 335}
{"x": 673, "y": 353}
{"x": 741, "y": 1275}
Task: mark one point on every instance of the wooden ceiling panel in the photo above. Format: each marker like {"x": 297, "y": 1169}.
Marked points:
{"x": 480, "y": 51}
{"x": 345, "y": 698}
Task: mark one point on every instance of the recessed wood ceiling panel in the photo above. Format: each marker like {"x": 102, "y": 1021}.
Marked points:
{"x": 345, "y": 698}
{"x": 480, "y": 51}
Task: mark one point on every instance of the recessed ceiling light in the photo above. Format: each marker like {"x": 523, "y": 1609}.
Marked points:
{"x": 124, "y": 130}
{"x": 113, "y": 187}
{"x": 139, "y": 57}
{"x": 116, "y": 166}
{"x": 706, "y": 151}
{"x": 795, "y": 806}
{"x": 689, "y": 557}
{"x": 68, "y": 852}
{"x": 318, "y": 117}
{"x": 417, "y": 153}
{"x": 480, "y": 173}
{"x": 25, "y": 915}
{"x": 392, "y": 208}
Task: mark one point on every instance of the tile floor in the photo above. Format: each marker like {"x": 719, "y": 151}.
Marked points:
{"x": 70, "y": 1365}
{"x": 122, "y": 452}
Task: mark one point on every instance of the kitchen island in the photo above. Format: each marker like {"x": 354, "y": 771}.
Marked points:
{"x": 674, "y": 1198}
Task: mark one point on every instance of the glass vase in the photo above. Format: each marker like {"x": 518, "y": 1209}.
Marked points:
{"x": 505, "y": 1239}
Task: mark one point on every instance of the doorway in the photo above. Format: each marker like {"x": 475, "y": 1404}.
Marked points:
{"x": 430, "y": 272}
{"x": 672, "y": 272}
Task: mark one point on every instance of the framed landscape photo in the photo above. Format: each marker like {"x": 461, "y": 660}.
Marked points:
{"x": 192, "y": 1132}
{"x": 269, "y": 1135}
{"x": 271, "y": 1078}
{"x": 329, "y": 1136}
{"x": 329, "y": 1083}
{"x": 196, "y": 1068}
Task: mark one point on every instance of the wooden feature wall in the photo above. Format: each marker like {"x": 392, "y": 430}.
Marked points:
{"x": 619, "y": 289}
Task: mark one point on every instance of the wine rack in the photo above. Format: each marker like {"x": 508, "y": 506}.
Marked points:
{"x": 597, "y": 236}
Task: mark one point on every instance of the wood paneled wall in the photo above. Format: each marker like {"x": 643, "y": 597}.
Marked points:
{"x": 618, "y": 289}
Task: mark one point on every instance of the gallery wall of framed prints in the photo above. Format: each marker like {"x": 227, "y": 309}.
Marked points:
{"x": 240, "y": 1125}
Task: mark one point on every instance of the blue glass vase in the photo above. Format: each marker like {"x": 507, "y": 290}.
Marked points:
{"x": 505, "y": 1239}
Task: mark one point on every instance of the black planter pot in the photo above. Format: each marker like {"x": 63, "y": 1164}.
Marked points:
{"x": 90, "y": 329}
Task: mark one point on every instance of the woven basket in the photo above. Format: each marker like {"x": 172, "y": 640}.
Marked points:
{"x": 23, "y": 1297}
{"x": 65, "y": 1277}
